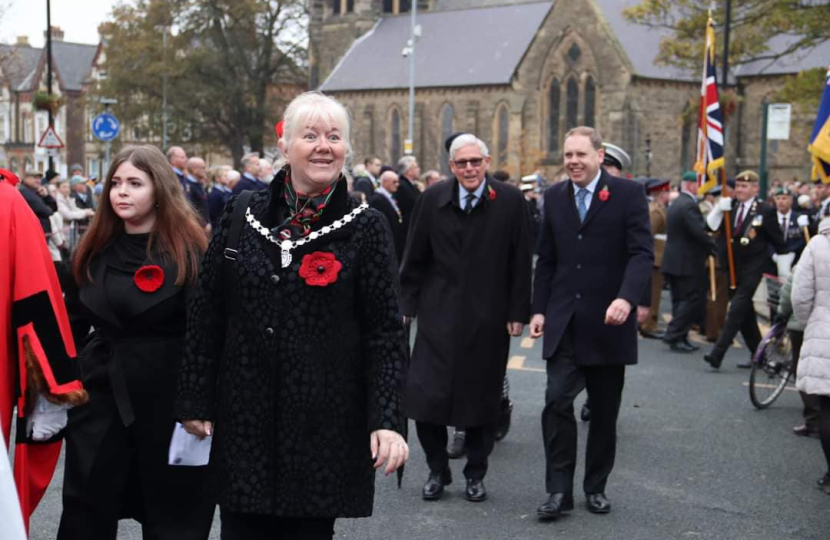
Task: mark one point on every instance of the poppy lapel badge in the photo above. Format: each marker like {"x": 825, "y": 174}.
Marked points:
{"x": 604, "y": 194}
{"x": 491, "y": 193}
{"x": 320, "y": 269}
{"x": 149, "y": 278}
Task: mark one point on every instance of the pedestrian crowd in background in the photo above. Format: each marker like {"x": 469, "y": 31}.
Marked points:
{"x": 326, "y": 267}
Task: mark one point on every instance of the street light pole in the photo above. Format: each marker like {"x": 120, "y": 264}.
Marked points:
{"x": 49, "y": 72}
{"x": 164, "y": 140}
{"x": 412, "y": 38}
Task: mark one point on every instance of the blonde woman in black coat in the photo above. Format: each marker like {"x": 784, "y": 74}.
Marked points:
{"x": 295, "y": 346}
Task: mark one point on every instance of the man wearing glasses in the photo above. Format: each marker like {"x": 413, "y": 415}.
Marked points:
{"x": 466, "y": 277}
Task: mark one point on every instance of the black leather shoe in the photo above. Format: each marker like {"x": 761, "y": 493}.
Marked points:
{"x": 434, "y": 487}
{"x": 651, "y": 335}
{"x": 598, "y": 503}
{"x": 689, "y": 344}
{"x": 475, "y": 491}
{"x": 585, "y": 413}
{"x": 805, "y": 431}
{"x": 681, "y": 347}
{"x": 744, "y": 365}
{"x": 503, "y": 426}
{"x": 554, "y": 506}
{"x": 457, "y": 448}
{"x": 712, "y": 360}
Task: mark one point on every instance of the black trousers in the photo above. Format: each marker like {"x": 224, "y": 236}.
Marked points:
{"x": 741, "y": 316}
{"x": 565, "y": 380}
{"x": 686, "y": 306}
{"x": 130, "y": 469}
{"x": 239, "y": 526}
{"x": 479, "y": 443}
{"x": 811, "y": 403}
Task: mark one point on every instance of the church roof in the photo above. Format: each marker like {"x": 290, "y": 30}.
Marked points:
{"x": 486, "y": 45}
{"x": 467, "y": 28}
{"x": 73, "y": 62}
{"x": 17, "y": 63}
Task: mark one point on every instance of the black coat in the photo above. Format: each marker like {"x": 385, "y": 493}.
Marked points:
{"x": 754, "y": 243}
{"x": 379, "y": 202}
{"x": 216, "y": 203}
{"x": 582, "y": 268}
{"x": 198, "y": 198}
{"x": 688, "y": 242}
{"x": 465, "y": 277}
{"x": 295, "y": 377}
{"x": 406, "y": 196}
{"x": 363, "y": 184}
{"x": 142, "y": 343}
{"x": 43, "y": 207}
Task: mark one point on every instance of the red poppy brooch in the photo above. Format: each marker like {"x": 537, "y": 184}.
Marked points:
{"x": 604, "y": 194}
{"x": 149, "y": 278}
{"x": 320, "y": 269}
{"x": 491, "y": 193}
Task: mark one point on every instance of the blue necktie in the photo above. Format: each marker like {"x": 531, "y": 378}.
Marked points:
{"x": 581, "y": 207}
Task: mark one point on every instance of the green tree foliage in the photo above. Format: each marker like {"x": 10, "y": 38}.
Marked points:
{"x": 795, "y": 25}
{"x": 226, "y": 63}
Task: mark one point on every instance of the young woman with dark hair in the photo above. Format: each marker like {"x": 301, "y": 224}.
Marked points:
{"x": 132, "y": 271}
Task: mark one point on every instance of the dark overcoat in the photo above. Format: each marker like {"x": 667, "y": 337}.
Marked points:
{"x": 130, "y": 365}
{"x": 382, "y": 204}
{"x": 583, "y": 267}
{"x": 465, "y": 277}
{"x": 688, "y": 243}
{"x": 294, "y": 376}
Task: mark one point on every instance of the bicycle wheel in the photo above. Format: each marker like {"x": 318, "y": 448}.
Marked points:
{"x": 771, "y": 370}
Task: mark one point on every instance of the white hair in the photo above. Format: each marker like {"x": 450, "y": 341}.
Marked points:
{"x": 468, "y": 140}
{"x": 309, "y": 108}
{"x": 406, "y": 163}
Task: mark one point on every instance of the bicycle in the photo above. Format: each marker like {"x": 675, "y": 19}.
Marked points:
{"x": 772, "y": 364}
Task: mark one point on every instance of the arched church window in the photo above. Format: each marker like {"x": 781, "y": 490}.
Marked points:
{"x": 590, "y": 102}
{"x": 502, "y": 135}
{"x": 571, "y": 104}
{"x": 553, "y": 116}
{"x": 447, "y": 113}
{"x": 396, "y": 136}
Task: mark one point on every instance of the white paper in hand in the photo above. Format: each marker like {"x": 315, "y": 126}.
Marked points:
{"x": 785, "y": 264}
{"x": 188, "y": 450}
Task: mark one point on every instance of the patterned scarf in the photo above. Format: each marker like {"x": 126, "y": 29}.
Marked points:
{"x": 303, "y": 211}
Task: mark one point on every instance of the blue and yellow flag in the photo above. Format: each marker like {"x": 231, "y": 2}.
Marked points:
{"x": 819, "y": 145}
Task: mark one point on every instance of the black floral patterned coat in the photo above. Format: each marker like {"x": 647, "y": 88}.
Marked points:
{"x": 294, "y": 376}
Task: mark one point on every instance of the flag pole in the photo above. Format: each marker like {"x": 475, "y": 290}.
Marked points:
{"x": 727, "y": 218}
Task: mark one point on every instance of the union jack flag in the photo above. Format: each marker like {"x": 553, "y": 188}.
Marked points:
{"x": 710, "y": 121}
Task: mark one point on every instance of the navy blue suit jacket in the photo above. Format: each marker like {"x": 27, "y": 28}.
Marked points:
{"x": 216, "y": 202}
{"x": 582, "y": 268}
{"x": 246, "y": 184}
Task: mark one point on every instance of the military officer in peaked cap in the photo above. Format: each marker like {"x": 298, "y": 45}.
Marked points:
{"x": 616, "y": 159}
{"x": 755, "y": 236}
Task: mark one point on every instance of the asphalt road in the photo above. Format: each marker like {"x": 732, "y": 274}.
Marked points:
{"x": 695, "y": 460}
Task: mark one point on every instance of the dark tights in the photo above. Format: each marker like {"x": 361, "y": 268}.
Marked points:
{"x": 824, "y": 428}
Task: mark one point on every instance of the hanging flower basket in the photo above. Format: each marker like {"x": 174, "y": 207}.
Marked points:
{"x": 42, "y": 101}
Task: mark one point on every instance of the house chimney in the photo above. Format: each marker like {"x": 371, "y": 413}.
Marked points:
{"x": 23, "y": 41}
{"x": 57, "y": 34}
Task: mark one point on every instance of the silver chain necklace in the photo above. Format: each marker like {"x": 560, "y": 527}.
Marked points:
{"x": 287, "y": 245}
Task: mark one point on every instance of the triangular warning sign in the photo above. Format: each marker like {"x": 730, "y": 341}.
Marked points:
{"x": 50, "y": 139}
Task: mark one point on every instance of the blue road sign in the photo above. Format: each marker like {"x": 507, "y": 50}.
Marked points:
{"x": 105, "y": 127}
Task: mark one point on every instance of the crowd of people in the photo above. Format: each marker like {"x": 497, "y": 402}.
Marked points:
{"x": 269, "y": 312}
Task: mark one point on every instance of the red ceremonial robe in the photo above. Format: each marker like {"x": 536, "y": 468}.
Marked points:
{"x": 37, "y": 353}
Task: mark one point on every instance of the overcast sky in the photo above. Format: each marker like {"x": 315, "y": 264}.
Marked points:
{"x": 79, "y": 19}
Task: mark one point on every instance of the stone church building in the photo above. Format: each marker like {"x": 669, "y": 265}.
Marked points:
{"x": 520, "y": 73}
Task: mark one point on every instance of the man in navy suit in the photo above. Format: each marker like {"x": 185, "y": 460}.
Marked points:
{"x": 249, "y": 180}
{"x": 595, "y": 258}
